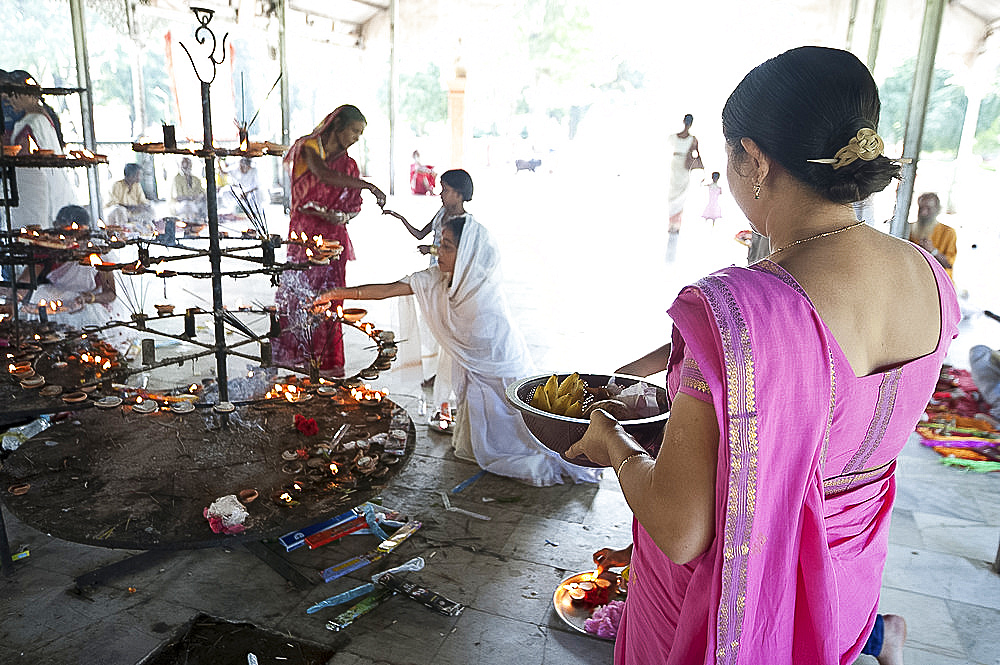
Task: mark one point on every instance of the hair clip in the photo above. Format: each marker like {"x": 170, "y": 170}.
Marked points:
{"x": 867, "y": 145}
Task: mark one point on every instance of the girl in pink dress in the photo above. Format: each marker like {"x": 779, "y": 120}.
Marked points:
{"x": 713, "y": 210}
{"x": 326, "y": 194}
{"x": 761, "y": 525}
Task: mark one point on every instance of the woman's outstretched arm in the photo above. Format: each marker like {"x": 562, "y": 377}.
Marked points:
{"x": 337, "y": 179}
{"x": 364, "y": 292}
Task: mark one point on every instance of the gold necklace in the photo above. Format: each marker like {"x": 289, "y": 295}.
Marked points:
{"x": 818, "y": 236}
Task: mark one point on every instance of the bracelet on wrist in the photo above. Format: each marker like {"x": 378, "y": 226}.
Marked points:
{"x": 625, "y": 461}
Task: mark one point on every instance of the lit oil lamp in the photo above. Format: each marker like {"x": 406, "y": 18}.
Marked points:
{"x": 144, "y": 406}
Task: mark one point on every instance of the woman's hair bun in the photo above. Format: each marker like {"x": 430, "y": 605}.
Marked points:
{"x": 808, "y": 103}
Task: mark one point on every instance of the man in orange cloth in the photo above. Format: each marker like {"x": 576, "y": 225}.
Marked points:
{"x": 937, "y": 238}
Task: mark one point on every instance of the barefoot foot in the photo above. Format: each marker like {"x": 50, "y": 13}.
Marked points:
{"x": 894, "y": 636}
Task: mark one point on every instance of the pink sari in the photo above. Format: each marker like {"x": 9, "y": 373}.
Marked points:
{"x": 303, "y": 339}
{"x": 804, "y": 486}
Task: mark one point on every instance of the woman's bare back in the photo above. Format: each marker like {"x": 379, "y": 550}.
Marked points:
{"x": 883, "y": 308}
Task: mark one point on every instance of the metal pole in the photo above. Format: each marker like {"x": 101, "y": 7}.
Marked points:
{"x": 86, "y": 101}
{"x": 851, "y": 19}
{"x": 286, "y": 138}
{"x": 393, "y": 92}
{"x": 214, "y": 252}
{"x": 929, "y": 32}
{"x": 878, "y": 15}
{"x": 6, "y": 564}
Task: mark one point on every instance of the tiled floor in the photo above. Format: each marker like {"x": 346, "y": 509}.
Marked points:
{"x": 944, "y": 535}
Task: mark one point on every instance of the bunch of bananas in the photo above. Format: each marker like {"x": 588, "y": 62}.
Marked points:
{"x": 561, "y": 398}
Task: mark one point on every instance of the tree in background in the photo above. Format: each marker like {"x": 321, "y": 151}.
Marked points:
{"x": 945, "y": 109}
{"x": 988, "y": 127}
{"x": 423, "y": 99}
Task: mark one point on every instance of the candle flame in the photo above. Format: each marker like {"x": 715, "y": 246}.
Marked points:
{"x": 286, "y": 497}
{"x": 138, "y": 399}
{"x": 32, "y": 146}
{"x": 74, "y": 226}
{"x": 340, "y": 311}
{"x": 95, "y": 260}
{"x": 42, "y": 303}
{"x": 244, "y": 145}
{"x": 334, "y": 469}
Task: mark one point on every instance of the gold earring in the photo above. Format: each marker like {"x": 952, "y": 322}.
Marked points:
{"x": 756, "y": 190}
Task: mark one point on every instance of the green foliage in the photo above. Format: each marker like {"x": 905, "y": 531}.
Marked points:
{"x": 945, "y": 109}
{"x": 568, "y": 76}
{"x": 422, "y": 98}
{"x": 988, "y": 124}
{"x": 42, "y": 41}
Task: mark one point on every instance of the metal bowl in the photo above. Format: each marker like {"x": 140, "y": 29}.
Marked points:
{"x": 558, "y": 433}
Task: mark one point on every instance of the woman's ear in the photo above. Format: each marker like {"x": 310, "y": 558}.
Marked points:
{"x": 758, "y": 160}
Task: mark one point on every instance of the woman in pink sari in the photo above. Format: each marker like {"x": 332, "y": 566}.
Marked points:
{"x": 326, "y": 194}
{"x": 761, "y": 526}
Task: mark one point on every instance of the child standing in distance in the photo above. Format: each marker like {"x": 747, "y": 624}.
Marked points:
{"x": 713, "y": 210}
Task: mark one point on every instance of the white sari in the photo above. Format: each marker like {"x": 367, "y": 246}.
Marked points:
{"x": 472, "y": 323}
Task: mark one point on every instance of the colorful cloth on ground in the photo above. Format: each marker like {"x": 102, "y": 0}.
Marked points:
{"x": 804, "y": 486}
{"x": 303, "y": 337}
{"x": 945, "y": 241}
{"x": 958, "y": 425}
{"x": 471, "y": 321}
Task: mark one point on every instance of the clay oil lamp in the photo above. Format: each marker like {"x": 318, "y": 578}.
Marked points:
{"x": 352, "y": 315}
{"x": 283, "y": 497}
{"x": 145, "y": 405}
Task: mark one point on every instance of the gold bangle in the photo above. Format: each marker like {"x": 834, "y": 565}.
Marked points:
{"x": 626, "y": 460}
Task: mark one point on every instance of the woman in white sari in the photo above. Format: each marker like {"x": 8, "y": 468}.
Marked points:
{"x": 463, "y": 303}
{"x": 684, "y": 158}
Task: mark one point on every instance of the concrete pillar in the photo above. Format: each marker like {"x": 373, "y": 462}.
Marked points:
{"x": 456, "y": 116}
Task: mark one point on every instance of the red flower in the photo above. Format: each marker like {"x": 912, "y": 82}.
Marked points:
{"x": 305, "y": 425}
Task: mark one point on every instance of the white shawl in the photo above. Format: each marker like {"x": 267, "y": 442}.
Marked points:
{"x": 472, "y": 323}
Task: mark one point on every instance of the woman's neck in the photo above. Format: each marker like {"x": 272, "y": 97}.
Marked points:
{"x": 331, "y": 145}
{"x": 454, "y": 212}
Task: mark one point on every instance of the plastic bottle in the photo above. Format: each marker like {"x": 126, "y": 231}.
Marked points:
{"x": 15, "y": 436}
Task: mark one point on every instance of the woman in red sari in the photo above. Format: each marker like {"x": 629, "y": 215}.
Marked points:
{"x": 326, "y": 194}
{"x": 761, "y": 525}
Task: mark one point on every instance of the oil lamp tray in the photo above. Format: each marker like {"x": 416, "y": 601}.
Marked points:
{"x": 576, "y": 615}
